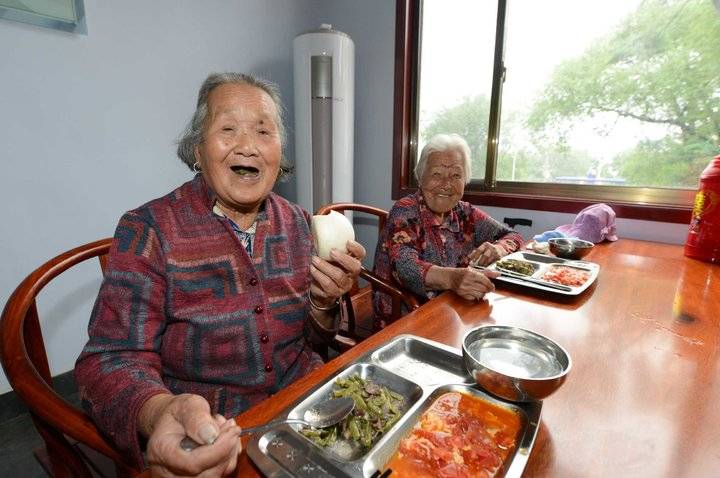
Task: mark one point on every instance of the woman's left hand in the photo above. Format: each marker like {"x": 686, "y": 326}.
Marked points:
{"x": 331, "y": 279}
{"x": 487, "y": 253}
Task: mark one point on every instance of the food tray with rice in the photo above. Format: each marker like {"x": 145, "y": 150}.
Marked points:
{"x": 548, "y": 273}
{"x": 414, "y": 399}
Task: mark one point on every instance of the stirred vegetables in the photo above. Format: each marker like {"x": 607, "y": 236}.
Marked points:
{"x": 377, "y": 409}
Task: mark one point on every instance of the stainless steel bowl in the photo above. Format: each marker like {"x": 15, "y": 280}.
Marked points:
{"x": 514, "y": 363}
{"x": 570, "y": 248}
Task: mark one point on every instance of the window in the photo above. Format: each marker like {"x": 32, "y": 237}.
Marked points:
{"x": 564, "y": 103}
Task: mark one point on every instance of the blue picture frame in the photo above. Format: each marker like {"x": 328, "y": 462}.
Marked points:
{"x": 65, "y": 15}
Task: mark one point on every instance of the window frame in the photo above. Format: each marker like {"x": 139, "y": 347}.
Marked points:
{"x": 653, "y": 204}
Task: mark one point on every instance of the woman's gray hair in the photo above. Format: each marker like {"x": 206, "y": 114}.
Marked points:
{"x": 440, "y": 143}
{"x": 192, "y": 135}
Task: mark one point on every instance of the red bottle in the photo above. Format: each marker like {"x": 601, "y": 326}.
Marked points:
{"x": 703, "y": 241}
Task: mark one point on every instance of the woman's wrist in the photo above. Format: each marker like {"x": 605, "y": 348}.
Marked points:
{"x": 151, "y": 411}
{"x": 440, "y": 278}
{"x": 319, "y": 305}
{"x": 325, "y": 320}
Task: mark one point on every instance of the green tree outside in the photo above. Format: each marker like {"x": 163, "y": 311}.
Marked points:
{"x": 469, "y": 119}
{"x": 660, "y": 66}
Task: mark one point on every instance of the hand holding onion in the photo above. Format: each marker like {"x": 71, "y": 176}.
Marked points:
{"x": 330, "y": 231}
{"x": 337, "y": 265}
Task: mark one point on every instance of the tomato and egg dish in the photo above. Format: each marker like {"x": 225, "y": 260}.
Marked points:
{"x": 566, "y": 275}
{"x": 458, "y": 436}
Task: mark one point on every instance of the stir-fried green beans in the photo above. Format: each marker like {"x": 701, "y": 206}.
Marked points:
{"x": 377, "y": 408}
{"x": 517, "y": 266}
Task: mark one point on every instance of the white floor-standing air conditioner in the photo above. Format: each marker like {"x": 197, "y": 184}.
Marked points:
{"x": 324, "y": 77}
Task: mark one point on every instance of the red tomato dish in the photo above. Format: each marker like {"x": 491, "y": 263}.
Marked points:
{"x": 566, "y": 275}
{"x": 458, "y": 436}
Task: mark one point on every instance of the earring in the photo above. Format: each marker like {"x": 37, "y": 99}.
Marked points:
{"x": 196, "y": 167}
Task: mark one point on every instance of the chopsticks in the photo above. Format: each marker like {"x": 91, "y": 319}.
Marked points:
{"x": 384, "y": 474}
{"x": 549, "y": 285}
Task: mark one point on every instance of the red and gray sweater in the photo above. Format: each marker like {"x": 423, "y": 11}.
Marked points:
{"x": 184, "y": 309}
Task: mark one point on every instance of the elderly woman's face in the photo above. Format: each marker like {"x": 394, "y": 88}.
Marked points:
{"x": 443, "y": 181}
{"x": 241, "y": 148}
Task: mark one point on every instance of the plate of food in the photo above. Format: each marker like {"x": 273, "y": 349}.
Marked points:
{"x": 417, "y": 412}
{"x": 553, "y": 274}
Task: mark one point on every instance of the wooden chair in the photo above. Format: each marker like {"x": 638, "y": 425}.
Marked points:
{"x": 72, "y": 442}
{"x": 360, "y": 322}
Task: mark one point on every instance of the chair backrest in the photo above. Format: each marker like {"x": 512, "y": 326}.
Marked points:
{"x": 25, "y": 362}
{"x": 391, "y": 288}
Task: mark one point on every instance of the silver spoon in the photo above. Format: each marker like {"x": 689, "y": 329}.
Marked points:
{"x": 322, "y": 415}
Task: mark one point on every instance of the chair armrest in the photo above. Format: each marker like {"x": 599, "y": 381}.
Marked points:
{"x": 40, "y": 398}
{"x": 22, "y": 353}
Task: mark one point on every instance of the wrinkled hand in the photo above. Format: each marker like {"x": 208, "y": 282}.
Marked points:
{"x": 331, "y": 279}
{"x": 487, "y": 253}
{"x": 472, "y": 284}
{"x": 190, "y": 415}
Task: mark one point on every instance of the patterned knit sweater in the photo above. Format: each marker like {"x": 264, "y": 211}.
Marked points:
{"x": 414, "y": 240}
{"x": 183, "y": 308}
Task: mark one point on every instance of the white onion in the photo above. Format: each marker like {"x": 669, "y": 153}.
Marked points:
{"x": 331, "y": 231}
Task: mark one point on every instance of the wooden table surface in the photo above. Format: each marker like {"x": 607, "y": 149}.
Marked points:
{"x": 643, "y": 396}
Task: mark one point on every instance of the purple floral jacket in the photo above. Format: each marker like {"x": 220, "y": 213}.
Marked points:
{"x": 184, "y": 309}
{"x": 414, "y": 240}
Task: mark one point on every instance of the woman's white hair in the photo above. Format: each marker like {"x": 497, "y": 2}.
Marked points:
{"x": 440, "y": 143}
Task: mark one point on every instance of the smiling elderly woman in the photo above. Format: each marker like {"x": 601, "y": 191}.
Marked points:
{"x": 211, "y": 294}
{"x": 431, "y": 236}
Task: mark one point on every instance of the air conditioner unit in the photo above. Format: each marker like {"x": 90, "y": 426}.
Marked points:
{"x": 324, "y": 77}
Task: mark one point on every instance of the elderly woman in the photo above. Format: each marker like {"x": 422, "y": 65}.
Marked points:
{"x": 432, "y": 236}
{"x": 212, "y": 294}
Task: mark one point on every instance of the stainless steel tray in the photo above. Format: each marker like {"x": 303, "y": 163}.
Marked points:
{"x": 543, "y": 264}
{"x": 417, "y": 368}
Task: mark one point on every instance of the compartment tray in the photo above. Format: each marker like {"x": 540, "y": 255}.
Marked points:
{"x": 410, "y": 365}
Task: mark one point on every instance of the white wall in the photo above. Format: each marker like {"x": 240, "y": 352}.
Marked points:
{"x": 88, "y": 124}
{"x": 627, "y": 228}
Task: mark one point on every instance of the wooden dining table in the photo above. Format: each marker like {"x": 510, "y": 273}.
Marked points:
{"x": 643, "y": 395}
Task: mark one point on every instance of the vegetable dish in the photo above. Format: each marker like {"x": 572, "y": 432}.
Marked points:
{"x": 516, "y": 266}
{"x": 377, "y": 408}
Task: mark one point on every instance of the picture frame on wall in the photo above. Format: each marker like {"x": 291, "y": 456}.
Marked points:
{"x": 65, "y": 15}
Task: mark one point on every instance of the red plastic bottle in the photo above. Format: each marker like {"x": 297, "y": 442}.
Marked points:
{"x": 703, "y": 241}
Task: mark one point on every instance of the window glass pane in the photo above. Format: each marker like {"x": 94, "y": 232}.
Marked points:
{"x": 458, "y": 41}
{"x": 622, "y": 92}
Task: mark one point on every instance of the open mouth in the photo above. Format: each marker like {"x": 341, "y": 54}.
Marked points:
{"x": 245, "y": 170}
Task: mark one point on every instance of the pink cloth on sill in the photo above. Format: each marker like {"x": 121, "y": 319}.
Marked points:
{"x": 595, "y": 223}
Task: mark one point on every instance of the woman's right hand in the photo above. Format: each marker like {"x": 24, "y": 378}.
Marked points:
{"x": 470, "y": 283}
{"x": 167, "y": 419}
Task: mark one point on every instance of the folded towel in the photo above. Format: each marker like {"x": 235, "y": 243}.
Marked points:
{"x": 595, "y": 223}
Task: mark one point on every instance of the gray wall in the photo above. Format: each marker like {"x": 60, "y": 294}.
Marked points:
{"x": 88, "y": 123}
{"x": 371, "y": 25}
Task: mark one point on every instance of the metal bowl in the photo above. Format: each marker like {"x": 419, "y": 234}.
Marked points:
{"x": 514, "y": 363}
{"x": 570, "y": 248}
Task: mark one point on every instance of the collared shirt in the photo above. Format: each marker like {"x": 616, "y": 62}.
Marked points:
{"x": 246, "y": 237}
